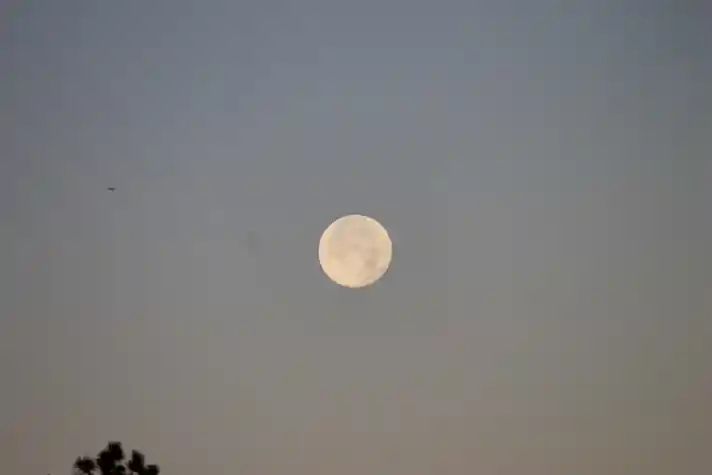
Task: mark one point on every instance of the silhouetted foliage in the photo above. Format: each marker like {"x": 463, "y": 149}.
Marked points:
{"x": 111, "y": 461}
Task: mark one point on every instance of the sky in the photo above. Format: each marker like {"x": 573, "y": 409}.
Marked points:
{"x": 544, "y": 169}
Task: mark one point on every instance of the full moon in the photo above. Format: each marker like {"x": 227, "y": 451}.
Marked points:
{"x": 355, "y": 251}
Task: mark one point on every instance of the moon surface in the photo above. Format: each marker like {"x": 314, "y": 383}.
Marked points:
{"x": 355, "y": 251}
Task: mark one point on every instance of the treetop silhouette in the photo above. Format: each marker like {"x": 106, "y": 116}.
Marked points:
{"x": 112, "y": 461}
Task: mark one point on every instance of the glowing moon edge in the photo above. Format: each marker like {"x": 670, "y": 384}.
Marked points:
{"x": 355, "y": 251}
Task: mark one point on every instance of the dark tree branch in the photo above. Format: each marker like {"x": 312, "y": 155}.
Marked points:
{"x": 111, "y": 461}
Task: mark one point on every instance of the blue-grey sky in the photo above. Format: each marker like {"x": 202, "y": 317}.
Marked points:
{"x": 545, "y": 170}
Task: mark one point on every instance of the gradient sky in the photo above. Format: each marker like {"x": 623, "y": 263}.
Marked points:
{"x": 544, "y": 167}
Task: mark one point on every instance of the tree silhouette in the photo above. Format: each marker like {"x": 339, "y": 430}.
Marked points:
{"x": 112, "y": 461}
